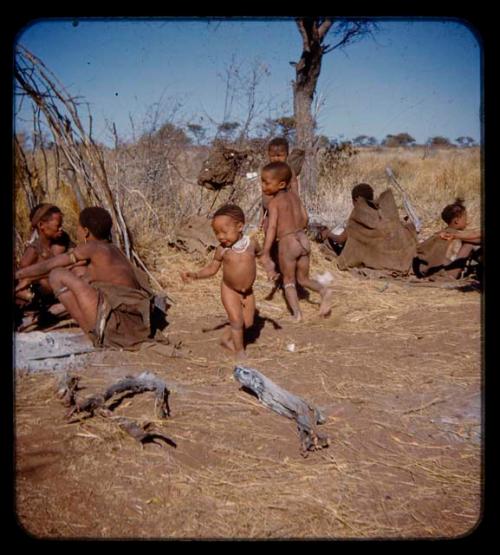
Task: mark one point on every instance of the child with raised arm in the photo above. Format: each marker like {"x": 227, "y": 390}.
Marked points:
{"x": 108, "y": 302}
{"x": 287, "y": 223}
{"x": 236, "y": 254}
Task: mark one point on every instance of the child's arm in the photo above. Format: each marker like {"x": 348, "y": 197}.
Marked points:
{"x": 269, "y": 240}
{"x": 472, "y": 236}
{"x": 294, "y": 184}
{"x": 266, "y": 263}
{"x": 257, "y": 247}
{"x": 208, "y": 271}
{"x": 272, "y": 228}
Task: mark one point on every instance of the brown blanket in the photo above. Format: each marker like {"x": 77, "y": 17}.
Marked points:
{"x": 123, "y": 316}
{"x": 435, "y": 254}
{"x": 376, "y": 238}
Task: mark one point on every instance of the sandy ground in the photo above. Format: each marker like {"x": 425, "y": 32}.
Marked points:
{"x": 396, "y": 370}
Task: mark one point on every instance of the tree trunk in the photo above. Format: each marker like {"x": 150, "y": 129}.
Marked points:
{"x": 305, "y": 125}
{"x": 313, "y": 31}
{"x": 307, "y": 72}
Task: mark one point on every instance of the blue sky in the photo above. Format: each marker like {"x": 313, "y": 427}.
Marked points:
{"x": 418, "y": 76}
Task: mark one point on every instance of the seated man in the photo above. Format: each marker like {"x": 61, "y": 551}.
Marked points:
{"x": 108, "y": 301}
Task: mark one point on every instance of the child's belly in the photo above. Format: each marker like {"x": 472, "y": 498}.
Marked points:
{"x": 240, "y": 279}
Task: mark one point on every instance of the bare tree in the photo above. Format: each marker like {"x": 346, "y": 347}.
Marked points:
{"x": 313, "y": 31}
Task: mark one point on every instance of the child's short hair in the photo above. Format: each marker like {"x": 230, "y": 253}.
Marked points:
{"x": 280, "y": 142}
{"x": 43, "y": 212}
{"x": 97, "y": 220}
{"x": 231, "y": 210}
{"x": 451, "y": 211}
{"x": 281, "y": 169}
{"x": 362, "y": 190}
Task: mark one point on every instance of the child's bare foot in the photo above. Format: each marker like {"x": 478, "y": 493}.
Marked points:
{"x": 241, "y": 356}
{"x": 297, "y": 317}
{"x": 227, "y": 343}
{"x": 325, "y": 308}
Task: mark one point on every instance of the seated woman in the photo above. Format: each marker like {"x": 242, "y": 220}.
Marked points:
{"x": 448, "y": 251}
{"x": 48, "y": 240}
{"x": 109, "y": 302}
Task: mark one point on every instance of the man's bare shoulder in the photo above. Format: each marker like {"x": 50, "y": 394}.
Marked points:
{"x": 93, "y": 249}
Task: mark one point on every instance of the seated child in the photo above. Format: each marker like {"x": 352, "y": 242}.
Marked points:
{"x": 449, "y": 249}
{"x": 236, "y": 254}
{"x": 109, "y": 303}
{"x": 48, "y": 239}
{"x": 337, "y": 241}
{"x": 287, "y": 222}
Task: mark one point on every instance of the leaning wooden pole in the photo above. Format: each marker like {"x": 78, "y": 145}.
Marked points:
{"x": 84, "y": 157}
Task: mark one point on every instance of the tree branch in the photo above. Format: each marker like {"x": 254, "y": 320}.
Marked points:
{"x": 324, "y": 28}
{"x": 306, "y": 39}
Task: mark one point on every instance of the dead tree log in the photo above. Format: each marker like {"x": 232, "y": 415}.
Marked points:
{"x": 144, "y": 382}
{"x": 287, "y": 404}
{"x": 67, "y": 388}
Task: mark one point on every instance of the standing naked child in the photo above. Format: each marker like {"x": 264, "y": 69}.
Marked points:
{"x": 236, "y": 254}
{"x": 108, "y": 301}
{"x": 277, "y": 151}
{"x": 287, "y": 222}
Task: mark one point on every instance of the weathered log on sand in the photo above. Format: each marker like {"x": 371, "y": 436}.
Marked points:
{"x": 144, "y": 382}
{"x": 287, "y": 404}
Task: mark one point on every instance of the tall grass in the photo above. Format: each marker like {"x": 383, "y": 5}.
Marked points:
{"x": 431, "y": 181}
{"x": 157, "y": 192}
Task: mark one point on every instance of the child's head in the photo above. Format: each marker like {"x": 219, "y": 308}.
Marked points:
{"x": 277, "y": 150}
{"x": 228, "y": 222}
{"x": 47, "y": 219}
{"x": 455, "y": 215}
{"x": 275, "y": 176}
{"x": 362, "y": 190}
{"x": 94, "y": 220}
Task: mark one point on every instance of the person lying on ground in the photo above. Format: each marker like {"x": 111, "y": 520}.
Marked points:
{"x": 236, "y": 254}
{"x": 287, "y": 224}
{"x": 108, "y": 302}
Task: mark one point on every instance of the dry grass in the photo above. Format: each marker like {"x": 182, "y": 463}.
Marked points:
{"x": 389, "y": 374}
{"x": 153, "y": 209}
{"x": 431, "y": 182}
{"x": 397, "y": 382}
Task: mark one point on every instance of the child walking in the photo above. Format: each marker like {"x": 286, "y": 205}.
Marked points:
{"x": 287, "y": 222}
{"x": 236, "y": 254}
